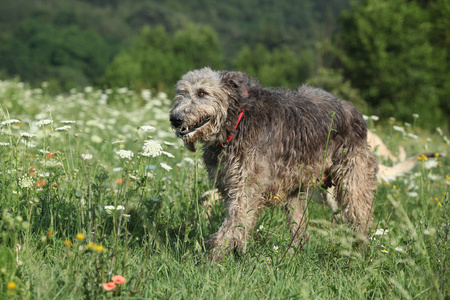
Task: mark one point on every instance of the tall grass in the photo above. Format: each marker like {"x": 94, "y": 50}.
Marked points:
{"x": 94, "y": 184}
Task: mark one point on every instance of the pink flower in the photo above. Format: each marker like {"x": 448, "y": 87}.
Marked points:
{"x": 109, "y": 286}
{"x": 118, "y": 279}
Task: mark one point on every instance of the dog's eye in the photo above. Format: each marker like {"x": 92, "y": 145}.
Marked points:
{"x": 201, "y": 93}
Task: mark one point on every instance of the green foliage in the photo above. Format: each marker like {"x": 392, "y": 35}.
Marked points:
{"x": 43, "y": 51}
{"x": 157, "y": 59}
{"x": 280, "y": 67}
{"x": 387, "y": 55}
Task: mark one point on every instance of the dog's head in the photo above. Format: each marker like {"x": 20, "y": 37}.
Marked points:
{"x": 204, "y": 101}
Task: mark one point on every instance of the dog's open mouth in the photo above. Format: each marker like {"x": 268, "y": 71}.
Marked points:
{"x": 187, "y": 130}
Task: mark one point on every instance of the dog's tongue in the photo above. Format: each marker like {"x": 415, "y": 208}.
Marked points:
{"x": 190, "y": 146}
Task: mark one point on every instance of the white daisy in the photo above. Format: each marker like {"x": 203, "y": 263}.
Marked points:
{"x": 146, "y": 128}
{"x": 166, "y": 166}
{"x": 27, "y": 135}
{"x": 151, "y": 148}
{"x": 9, "y": 122}
{"x": 44, "y": 122}
{"x": 86, "y": 156}
{"x": 125, "y": 154}
{"x": 63, "y": 128}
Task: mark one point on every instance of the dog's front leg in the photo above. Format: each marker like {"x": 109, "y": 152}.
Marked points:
{"x": 242, "y": 210}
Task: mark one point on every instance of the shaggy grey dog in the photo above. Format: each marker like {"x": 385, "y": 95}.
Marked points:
{"x": 265, "y": 147}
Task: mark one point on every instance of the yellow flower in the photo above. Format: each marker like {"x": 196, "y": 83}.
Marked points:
{"x": 67, "y": 243}
{"x": 91, "y": 245}
{"x": 12, "y": 285}
{"x": 386, "y": 183}
{"x": 80, "y": 236}
{"x": 384, "y": 251}
{"x": 50, "y": 233}
{"x": 276, "y": 197}
{"x": 394, "y": 186}
{"x": 440, "y": 204}
{"x": 436, "y": 154}
{"x": 447, "y": 177}
{"x": 99, "y": 248}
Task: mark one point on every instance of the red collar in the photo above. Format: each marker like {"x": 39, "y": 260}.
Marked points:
{"x": 230, "y": 137}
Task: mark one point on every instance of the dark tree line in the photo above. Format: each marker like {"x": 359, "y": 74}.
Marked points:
{"x": 389, "y": 57}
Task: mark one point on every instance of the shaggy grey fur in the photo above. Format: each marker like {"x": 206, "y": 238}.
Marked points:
{"x": 281, "y": 149}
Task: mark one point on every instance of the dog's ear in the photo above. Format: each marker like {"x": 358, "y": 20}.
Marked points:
{"x": 237, "y": 81}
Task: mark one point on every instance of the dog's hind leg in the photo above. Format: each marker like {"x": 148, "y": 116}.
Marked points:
{"x": 355, "y": 181}
{"x": 297, "y": 212}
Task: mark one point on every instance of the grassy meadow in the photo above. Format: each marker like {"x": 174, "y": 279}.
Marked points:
{"x": 94, "y": 184}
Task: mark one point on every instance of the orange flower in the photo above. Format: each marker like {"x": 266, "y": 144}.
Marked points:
{"x": 119, "y": 181}
{"x": 31, "y": 170}
{"x": 109, "y": 286}
{"x": 41, "y": 183}
{"x": 118, "y": 279}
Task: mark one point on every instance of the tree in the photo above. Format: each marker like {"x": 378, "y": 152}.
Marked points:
{"x": 387, "y": 55}
{"x": 280, "y": 67}
{"x": 157, "y": 59}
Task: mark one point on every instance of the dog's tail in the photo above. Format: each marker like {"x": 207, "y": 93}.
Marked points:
{"x": 391, "y": 173}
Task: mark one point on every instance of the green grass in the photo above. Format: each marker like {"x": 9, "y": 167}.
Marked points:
{"x": 49, "y": 194}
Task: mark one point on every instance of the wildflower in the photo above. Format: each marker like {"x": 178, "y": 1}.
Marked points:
{"x": 167, "y": 154}
{"x": 9, "y": 122}
{"x": 111, "y": 208}
{"x": 99, "y": 248}
{"x": 42, "y": 123}
{"x": 119, "y": 181}
{"x": 68, "y": 122}
{"x": 399, "y": 249}
{"x": 109, "y": 286}
{"x": 26, "y": 182}
{"x": 11, "y": 285}
{"x": 267, "y": 259}
{"x": 50, "y": 233}
{"x": 380, "y": 231}
{"x": 118, "y": 279}
{"x": 275, "y": 248}
{"x": 96, "y": 139}
{"x": 67, "y": 243}
{"x": 125, "y": 154}
{"x": 4, "y": 144}
{"x": 447, "y": 177}
{"x": 27, "y": 135}
{"x": 86, "y": 156}
{"x": 412, "y": 194}
{"x": 166, "y": 166}
{"x": 146, "y": 128}
{"x": 430, "y": 164}
{"x": 169, "y": 143}
{"x": 375, "y": 118}
{"x": 440, "y": 204}
{"x": 151, "y": 148}
{"x": 415, "y": 116}
{"x": 384, "y": 251}
{"x": 118, "y": 142}
{"x": 49, "y": 155}
{"x": 63, "y": 128}
{"x": 146, "y": 95}
{"x": 80, "y": 236}
{"x": 41, "y": 183}
{"x": 91, "y": 245}
{"x": 398, "y": 128}
{"x": 413, "y": 136}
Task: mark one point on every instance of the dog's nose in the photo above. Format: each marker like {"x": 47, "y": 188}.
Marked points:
{"x": 176, "y": 121}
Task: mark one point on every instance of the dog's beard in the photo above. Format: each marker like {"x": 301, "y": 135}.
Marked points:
{"x": 190, "y": 136}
